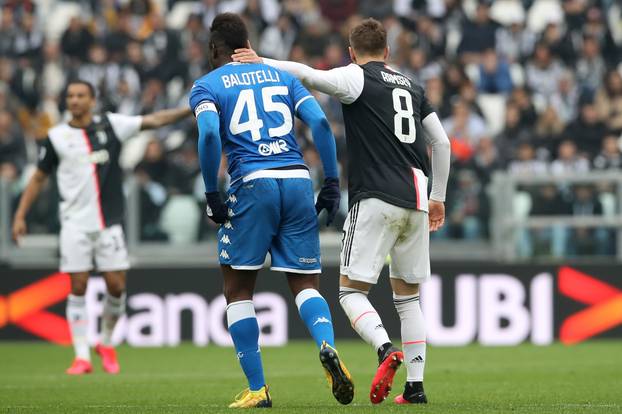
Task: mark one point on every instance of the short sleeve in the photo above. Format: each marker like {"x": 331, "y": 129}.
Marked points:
{"x": 426, "y": 108}
{"x": 125, "y": 126}
{"x": 48, "y": 158}
{"x": 202, "y": 99}
{"x": 298, "y": 93}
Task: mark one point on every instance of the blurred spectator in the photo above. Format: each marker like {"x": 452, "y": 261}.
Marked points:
{"x": 610, "y": 157}
{"x": 561, "y": 41}
{"x": 154, "y": 163}
{"x": 587, "y": 131}
{"x": 463, "y": 216}
{"x": 553, "y": 240}
{"x": 184, "y": 169}
{"x": 494, "y": 76}
{"x": 568, "y": 160}
{"x": 430, "y": 37}
{"x": 477, "y": 35}
{"x": 512, "y": 135}
{"x": 161, "y": 51}
{"x": 547, "y": 133}
{"x": 526, "y": 163}
{"x": 566, "y": 98}
{"x": 28, "y": 38}
{"x": 12, "y": 150}
{"x": 608, "y": 101}
{"x": 590, "y": 66}
{"x": 76, "y": 40}
{"x": 464, "y": 124}
{"x": 543, "y": 72}
{"x": 8, "y": 31}
{"x": 521, "y": 98}
{"x": 586, "y": 241}
{"x": 515, "y": 43}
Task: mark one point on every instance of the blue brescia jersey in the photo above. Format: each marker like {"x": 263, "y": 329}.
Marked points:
{"x": 256, "y": 104}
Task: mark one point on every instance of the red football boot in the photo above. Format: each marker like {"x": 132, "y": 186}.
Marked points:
{"x": 79, "y": 367}
{"x": 381, "y": 384}
{"x": 109, "y": 358}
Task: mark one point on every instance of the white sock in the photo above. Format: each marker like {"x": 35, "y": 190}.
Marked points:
{"x": 114, "y": 308}
{"x": 413, "y": 335}
{"x": 363, "y": 316}
{"x": 77, "y": 317}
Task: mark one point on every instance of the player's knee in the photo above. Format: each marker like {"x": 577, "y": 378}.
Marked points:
{"x": 235, "y": 294}
{"x": 78, "y": 287}
{"x": 115, "y": 283}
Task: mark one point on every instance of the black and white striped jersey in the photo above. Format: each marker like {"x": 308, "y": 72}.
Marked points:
{"x": 86, "y": 163}
{"x": 385, "y": 115}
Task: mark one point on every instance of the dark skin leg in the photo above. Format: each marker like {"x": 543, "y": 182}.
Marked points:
{"x": 78, "y": 283}
{"x": 115, "y": 282}
{"x": 240, "y": 284}
{"x": 298, "y": 283}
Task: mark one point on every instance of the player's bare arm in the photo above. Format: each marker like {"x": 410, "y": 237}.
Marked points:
{"x": 165, "y": 117}
{"x": 28, "y": 197}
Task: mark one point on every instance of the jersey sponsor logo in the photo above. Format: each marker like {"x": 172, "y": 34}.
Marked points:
{"x": 250, "y": 78}
{"x": 204, "y": 106}
{"x": 395, "y": 79}
{"x": 97, "y": 157}
{"x": 276, "y": 147}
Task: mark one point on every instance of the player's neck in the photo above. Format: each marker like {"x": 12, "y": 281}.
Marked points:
{"x": 81, "y": 121}
{"x": 361, "y": 60}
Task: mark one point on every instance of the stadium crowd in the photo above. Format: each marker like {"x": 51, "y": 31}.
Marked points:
{"x": 519, "y": 87}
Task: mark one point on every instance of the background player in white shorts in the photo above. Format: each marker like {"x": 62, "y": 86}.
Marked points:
{"x": 84, "y": 154}
{"x": 389, "y": 126}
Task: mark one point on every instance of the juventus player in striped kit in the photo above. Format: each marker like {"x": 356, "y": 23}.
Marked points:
{"x": 389, "y": 126}
{"x": 84, "y": 154}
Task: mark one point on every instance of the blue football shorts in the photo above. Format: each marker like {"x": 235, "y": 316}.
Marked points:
{"x": 271, "y": 215}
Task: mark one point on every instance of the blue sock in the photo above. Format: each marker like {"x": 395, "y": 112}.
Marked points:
{"x": 315, "y": 313}
{"x": 244, "y": 331}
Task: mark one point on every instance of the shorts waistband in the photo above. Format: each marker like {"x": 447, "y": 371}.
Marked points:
{"x": 301, "y": 173}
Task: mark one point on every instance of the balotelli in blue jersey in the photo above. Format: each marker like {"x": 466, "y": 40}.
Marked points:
{"x": 248, "y": 111}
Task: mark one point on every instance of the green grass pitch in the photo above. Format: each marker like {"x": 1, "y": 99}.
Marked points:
{"x": 586, "y": 378}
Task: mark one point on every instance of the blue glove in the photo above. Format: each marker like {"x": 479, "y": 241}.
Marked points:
{"x": 216, "y": 210}
{"x": 328, "y": 199}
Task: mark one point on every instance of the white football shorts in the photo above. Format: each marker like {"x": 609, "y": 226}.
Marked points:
{"x": 107, "y": 247}
{"x": 374, "y": 230}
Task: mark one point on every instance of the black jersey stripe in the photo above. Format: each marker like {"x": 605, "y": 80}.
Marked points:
{"x": 351, "y": 231}
{"x": 346, "y": 245}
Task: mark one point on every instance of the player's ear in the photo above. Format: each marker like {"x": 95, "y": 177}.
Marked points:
{"x": 248, "y": 44}
{"x": 352, "y": 54}
{"x": 387, "y": 50}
